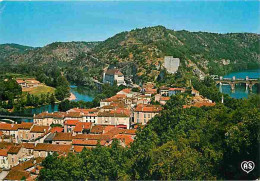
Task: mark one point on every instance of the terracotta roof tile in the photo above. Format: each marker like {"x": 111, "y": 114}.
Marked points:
{"x": 17, "y": 175}
{"x": 80, "y": 126}
{"x": 97, "y": 129}
{"x": 71, "y": 122}
{"x": 113, "y": 72}
{"x": 87, "y": 142}
{"x": 148, "y": 108}
{"x": 79, "y": 149}
{"x": 28, "y": 145}
{"x": 52, "y": 148}
{"x": 25, "y": 125}
{"x": 126, "y": 139}
{"x": 14, "y": 150}
{"x": 56, "y": 129}
{"x": 177, "y": 89}
{"x": 39, "y": 129}
{"x": 3, "y": 152}
{"x": 62, "y": 137}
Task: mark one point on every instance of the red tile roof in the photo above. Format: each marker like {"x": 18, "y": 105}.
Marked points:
{"x": 17, "y": 175}
{"x": 52, "y": 148}
{"x": 3, "y": 152}
{"x": 97, "y": 129}
{"x": 129, "y": 131}
{"x": 88, "y": 142}
{"x": 14, "y": 150}
{"x": 177, "y": 89}
{"x": 148, "y": 108}
{"x": 39, "y": 129}
{"x": 200, "y": 104}
{"x": 28, "y": 145}
{"x": 79, "y": 149}
{"x": 25, "y": 125}
{"x": 80, "y": 126}
{"x": 113, "y": 72}
{"x": 62, "y": 137}
{"x": 126, "y": 139}
{"x": 71, "y": 122}
{"x": 56, "y": 129}
{"x": 126, "y": 90}
{"x": 164, "y": 98}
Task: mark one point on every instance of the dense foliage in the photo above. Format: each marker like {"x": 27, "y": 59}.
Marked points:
{"x": 194, "y": 143}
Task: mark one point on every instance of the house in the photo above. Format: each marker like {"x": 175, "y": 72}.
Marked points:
{"x": 46, "y": 119}
{"x": 125, "y": 140}
{"x": 15, "y": 153}
{"x": 43, "y": 149}
{"x": 4, "y": 158}
{"x": 38, "y": 131}
{"x": 89, "y": 115}
{"x": 32, "y": 83}
{"x": 69, "y": 125}
{"x": 28, "y": 83}
{"x": 62, "y": 139}
{"x": 9, "y": 131}
{"x": 82, "y": 128}
{"x": 174, "y": 91}
{"x": 115, "y": 117}
{"x": 74, "y": 116}
{"x": 113, "y": 75}
{"x": 164, "y": 91}
{"x": 97, "y": 129}
{"x": 28, "y": 149}
{"x": 24, "y": 131}
{"x": 163, "y": 100}
{"x": 143, "y": 113}
{"x": 21, "y": 82}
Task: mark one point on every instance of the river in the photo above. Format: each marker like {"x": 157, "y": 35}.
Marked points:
{"x": 240, "y": 90}
{"x": 81, "y": 93}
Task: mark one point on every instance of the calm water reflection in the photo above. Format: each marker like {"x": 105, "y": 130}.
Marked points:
{"x": 240, "y": 89}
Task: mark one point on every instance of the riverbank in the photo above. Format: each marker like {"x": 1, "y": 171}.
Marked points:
{"x": 72, "y": 97}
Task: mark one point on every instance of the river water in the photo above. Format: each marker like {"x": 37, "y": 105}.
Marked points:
{"x": 81, "y": 93}
{"x": 240, "y": 89}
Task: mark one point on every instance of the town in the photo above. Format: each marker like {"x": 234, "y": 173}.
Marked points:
{"x": 23, "y": 146}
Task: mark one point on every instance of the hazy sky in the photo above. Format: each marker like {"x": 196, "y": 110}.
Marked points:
{"x": 40, "y": 23}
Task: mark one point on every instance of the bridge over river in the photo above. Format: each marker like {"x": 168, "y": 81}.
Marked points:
{"x": 248, "y": 82}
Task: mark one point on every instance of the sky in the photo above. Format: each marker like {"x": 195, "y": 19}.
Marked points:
{"x": 36, "y": 23}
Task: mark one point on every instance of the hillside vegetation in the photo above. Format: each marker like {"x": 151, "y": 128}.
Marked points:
{"x": 139, "y": 54}
{"x": 213, "y": 53}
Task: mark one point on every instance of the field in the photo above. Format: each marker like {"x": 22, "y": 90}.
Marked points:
{"x": 41, "y": 89}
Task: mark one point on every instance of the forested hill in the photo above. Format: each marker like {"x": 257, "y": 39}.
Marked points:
{"x": 54, "y": 52}
{"x": 7, "y": 50}
{"x": 213, "y": 53}
{"x": 141, "y": 51}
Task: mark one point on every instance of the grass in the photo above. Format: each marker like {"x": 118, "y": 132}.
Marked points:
{"x": 41, "y": 89}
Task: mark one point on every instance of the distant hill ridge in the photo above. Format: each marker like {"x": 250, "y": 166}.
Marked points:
{"x": 144, "y": 50}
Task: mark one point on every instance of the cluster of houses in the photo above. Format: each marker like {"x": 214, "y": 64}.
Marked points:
{"x": 23, "y": 146}
{"x": 28, "y": 83}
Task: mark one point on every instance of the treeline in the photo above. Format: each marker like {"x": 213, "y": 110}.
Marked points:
{"x": 11, "y": 92}
{"x": 189, "y": 144}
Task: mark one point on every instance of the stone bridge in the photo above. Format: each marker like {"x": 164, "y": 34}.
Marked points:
{"x": 248, "y": 82}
